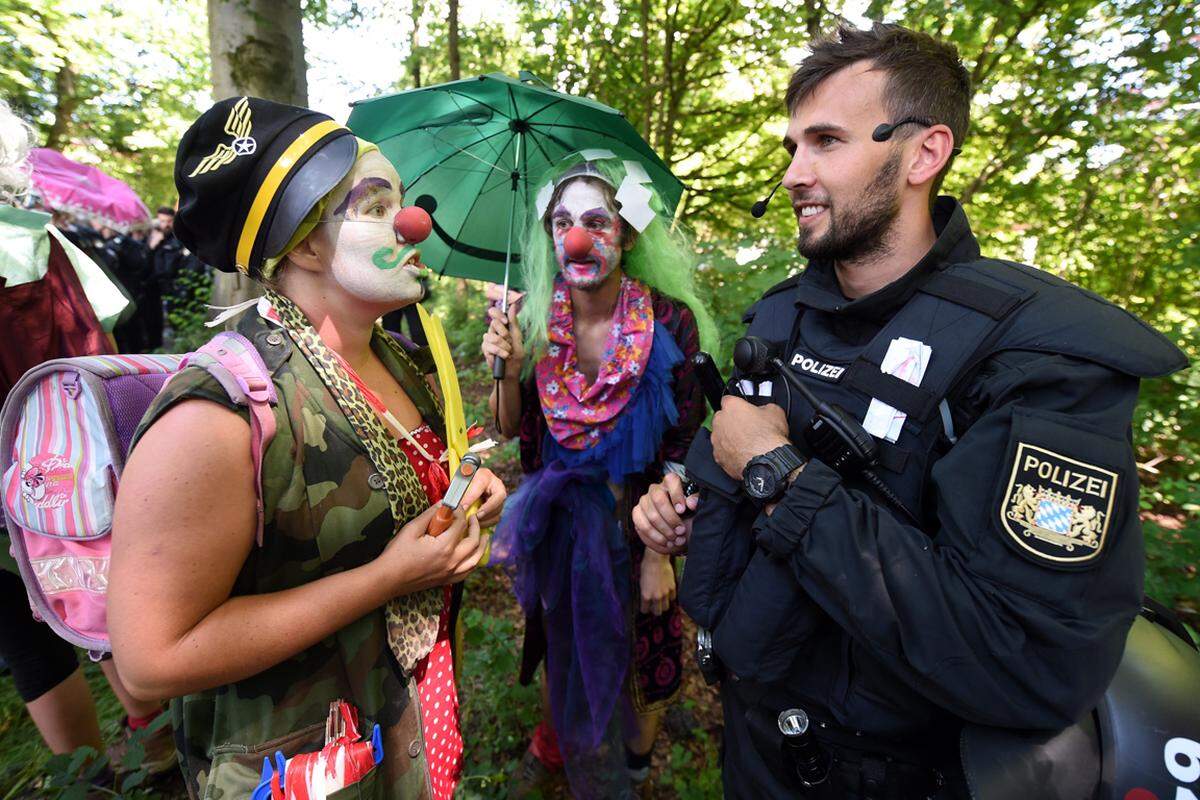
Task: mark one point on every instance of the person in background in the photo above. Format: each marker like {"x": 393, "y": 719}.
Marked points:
{"x": 44, "y": 314}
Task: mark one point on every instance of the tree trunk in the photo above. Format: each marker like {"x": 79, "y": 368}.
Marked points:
{"x": 665, "y": 121}
{"x": 812, "y": 18}
{"x": 414, "y": 58}
{"x": 647, "y": 85}
{"x": 65, "y": 102}
{"x": 455, "y": 64}
{"x": 460, "y": 286}
{"x": 257, "y": 49}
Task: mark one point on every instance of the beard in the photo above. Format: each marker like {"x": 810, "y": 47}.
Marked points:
{"x": 592, "y": 272}
{"x": 586, "y": 279}
{"x": 864, "y": 227}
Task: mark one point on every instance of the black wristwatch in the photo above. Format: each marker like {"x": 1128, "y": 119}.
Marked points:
{"x": 765, "y": 476}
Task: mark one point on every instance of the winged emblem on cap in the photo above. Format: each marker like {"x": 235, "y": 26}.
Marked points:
{"x": 238, "y": 126}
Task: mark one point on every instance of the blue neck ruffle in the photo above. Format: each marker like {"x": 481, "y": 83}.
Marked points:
{"x": 632, "y": 444}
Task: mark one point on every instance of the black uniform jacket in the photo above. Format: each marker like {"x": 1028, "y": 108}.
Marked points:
{"x": 839, "y": 605}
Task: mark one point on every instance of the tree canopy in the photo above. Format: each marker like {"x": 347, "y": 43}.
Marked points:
{"x": 111, "y": 84}
{"x": 1082, "y": 155}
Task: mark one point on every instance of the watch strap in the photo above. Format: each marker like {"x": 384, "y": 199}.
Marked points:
{"x": 785, "y": 458}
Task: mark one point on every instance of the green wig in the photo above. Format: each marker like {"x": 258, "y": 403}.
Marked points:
{"x": 661, "y": 258}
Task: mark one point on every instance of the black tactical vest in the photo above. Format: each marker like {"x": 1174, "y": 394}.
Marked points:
{"x": 966, "y": 312}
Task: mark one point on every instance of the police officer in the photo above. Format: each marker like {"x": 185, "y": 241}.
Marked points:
{"x": 994, "y": 578}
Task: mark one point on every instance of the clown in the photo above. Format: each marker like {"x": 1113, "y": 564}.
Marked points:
{"x": 340, "y": 594}
{"x": 606, "y": 404}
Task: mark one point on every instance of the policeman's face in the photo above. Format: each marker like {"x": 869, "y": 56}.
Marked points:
{"x": 845, "y": 188}
{"x": 366, "y": 255}
{"x": 164, "y": 222}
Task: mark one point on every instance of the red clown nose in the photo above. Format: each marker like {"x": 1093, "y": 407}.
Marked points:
{"x": 577, "y": 244}
{"x": 412, "y": 224}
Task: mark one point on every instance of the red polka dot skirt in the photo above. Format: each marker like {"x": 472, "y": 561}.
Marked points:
{"x": 435, "y": 673}
{"x": 439, "y": 711}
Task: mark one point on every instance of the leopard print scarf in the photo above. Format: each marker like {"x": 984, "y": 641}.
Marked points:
{"x": 412, "y": 619}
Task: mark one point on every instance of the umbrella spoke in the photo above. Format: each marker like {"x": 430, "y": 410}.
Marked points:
{"x": 495, "y": 154}
{"x": 472, "y": 99}
{"x": 478, "y": 136}
{"x": 470, "y": 211}
{"x": 512, "y": 101}
{"x": 538, "y": 144}
{"x": 585, "y": 129}
{"x": 552, "y": 103}
{"x": 485, "y": 189}
{"x": 463, "y": 151}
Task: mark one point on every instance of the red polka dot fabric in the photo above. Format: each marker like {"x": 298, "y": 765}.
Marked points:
{"x": 435, "y": 673}
{"x": 439, "y": 711}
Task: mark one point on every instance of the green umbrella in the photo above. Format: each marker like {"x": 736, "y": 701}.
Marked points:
{"x": 469, "y": 152}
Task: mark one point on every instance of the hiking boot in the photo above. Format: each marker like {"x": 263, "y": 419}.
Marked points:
{"x": 156, "y": 743}
{"x": 531, "y": 779}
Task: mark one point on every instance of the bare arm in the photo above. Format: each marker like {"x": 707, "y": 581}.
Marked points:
{"x": 504, "y": 340}
{"x": 183, "y": 527}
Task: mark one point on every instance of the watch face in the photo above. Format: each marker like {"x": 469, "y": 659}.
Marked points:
{"x": 760, "y": 481}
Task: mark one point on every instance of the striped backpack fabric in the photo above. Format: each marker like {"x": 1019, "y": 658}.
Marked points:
{"x": 65, "y": 430}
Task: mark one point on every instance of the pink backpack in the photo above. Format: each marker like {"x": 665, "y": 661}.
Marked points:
{"x": 65, "y": 430}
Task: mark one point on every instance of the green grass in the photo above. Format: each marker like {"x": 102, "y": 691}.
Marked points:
{"x": 498, "y": 714}
{"x": 24, "y": 759}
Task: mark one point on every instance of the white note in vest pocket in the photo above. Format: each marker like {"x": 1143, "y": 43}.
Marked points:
{"x": 906, "y": 359}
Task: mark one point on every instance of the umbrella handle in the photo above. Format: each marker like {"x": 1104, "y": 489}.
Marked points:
{"x": 498, "y": 368}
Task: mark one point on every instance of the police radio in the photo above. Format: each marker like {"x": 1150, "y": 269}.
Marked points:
{"x": 833, "y": 435}
{"x": 709, "y": 376}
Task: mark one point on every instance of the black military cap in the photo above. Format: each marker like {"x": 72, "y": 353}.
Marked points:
{"x": 248, "y": 171}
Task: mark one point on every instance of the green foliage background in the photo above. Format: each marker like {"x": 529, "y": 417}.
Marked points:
{"x": 1083, "y": 159}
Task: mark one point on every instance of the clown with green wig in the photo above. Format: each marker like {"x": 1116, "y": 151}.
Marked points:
{"x": 600, "y": 390}
{"x": 293, "y": 606}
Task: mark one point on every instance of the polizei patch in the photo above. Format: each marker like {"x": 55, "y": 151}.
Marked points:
{"x": 817, "y": 368}
{"x": 1057, "y": 509}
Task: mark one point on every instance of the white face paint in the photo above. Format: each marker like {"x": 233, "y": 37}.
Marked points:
{"x": 370, "y": 260}
{"x": 583, "y": 205}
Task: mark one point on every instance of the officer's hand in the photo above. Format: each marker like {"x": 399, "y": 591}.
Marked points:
{"x": 657, "y": 516}
{"x": 657, "y": 583}
{"x": 741, "y": 431}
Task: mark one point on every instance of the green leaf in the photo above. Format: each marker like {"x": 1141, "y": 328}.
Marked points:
{"x": 133, "y": 780}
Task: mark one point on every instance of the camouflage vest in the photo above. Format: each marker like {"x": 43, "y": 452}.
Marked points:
{"x": 326, "y": 511}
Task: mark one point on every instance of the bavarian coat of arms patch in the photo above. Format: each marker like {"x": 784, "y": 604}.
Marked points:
{"x": 1057, "y": 509}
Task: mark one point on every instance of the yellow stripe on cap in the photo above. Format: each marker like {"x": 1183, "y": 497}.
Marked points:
{"x": 270, "y": 185}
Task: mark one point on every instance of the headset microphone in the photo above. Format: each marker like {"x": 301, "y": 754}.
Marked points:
{"x": 884, "y": 132}
{"x": 760, "y": 208}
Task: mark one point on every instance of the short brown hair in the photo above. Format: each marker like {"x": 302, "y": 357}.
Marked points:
{"x": 925, "y": 77}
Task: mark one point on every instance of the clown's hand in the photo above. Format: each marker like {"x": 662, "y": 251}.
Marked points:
{"x": 489, "y": 490}
{"x": 503, "y": 338}
{"x": 657, "y": 583}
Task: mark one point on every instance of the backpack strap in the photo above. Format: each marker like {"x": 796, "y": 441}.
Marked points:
{"x": 237, "y": 365}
